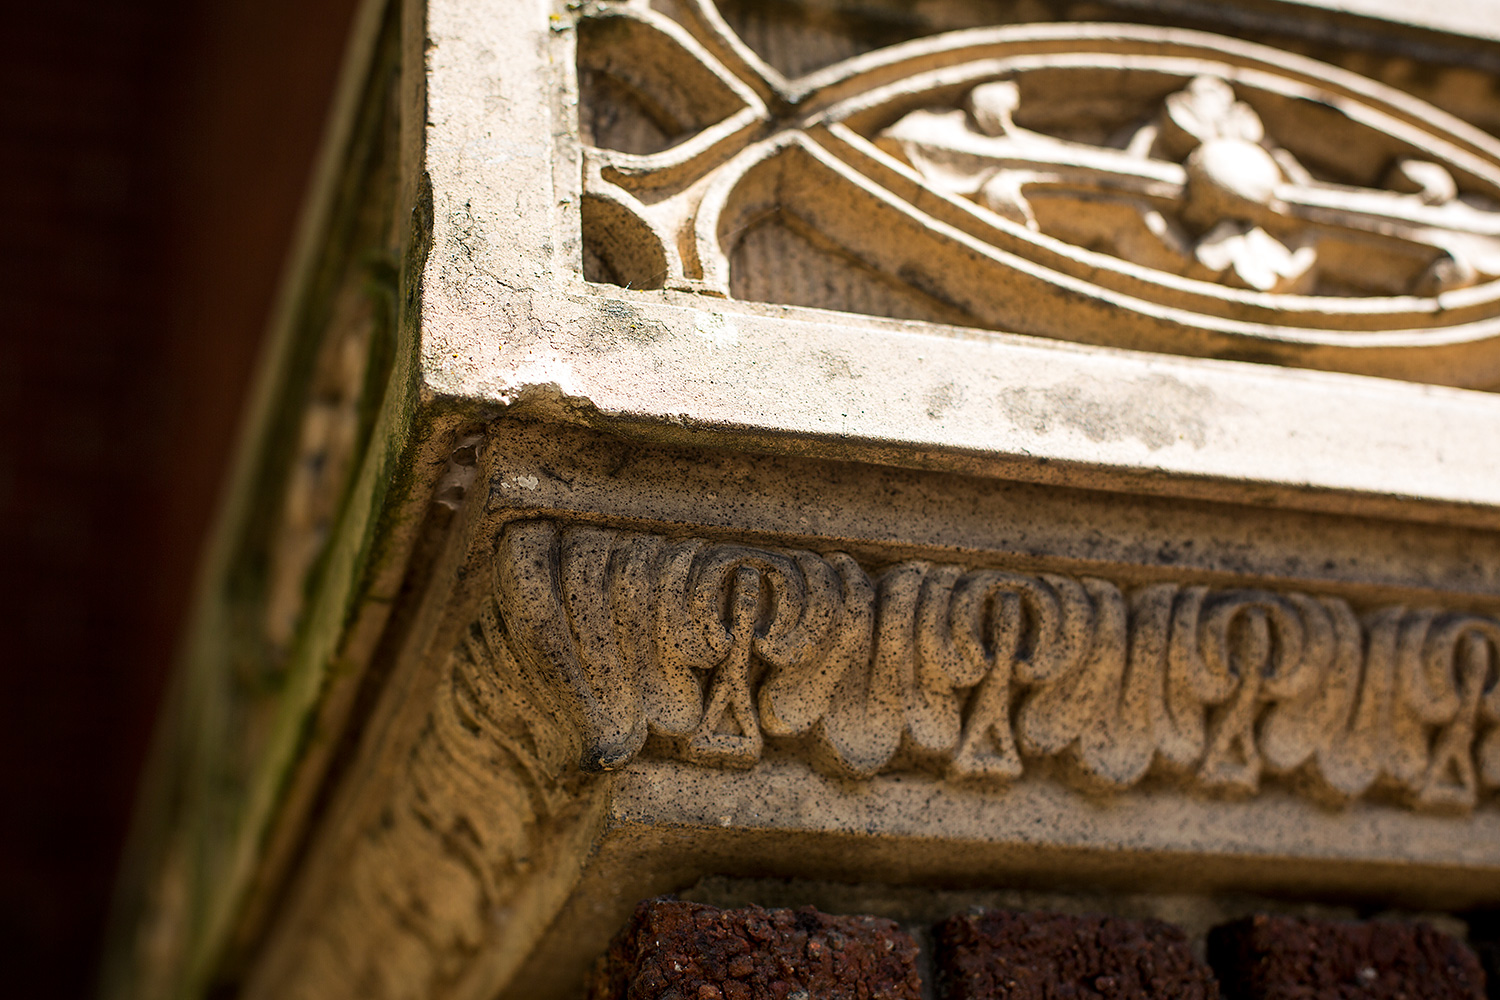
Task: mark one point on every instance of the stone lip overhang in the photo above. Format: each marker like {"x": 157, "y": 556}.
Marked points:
{"x": 809, "y": 383}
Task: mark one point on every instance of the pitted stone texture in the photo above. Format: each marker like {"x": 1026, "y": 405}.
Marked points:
{"x": 1003, "y": 955}
{"x": 1277, "y": 958}
{"x": 673, "y": 950}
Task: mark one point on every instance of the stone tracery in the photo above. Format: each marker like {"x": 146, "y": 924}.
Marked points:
{"x": 1238, "y": 209}
{"x": 1143, "y": 187}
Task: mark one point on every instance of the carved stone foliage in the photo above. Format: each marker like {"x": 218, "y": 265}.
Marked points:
{"x": 485, "y": 797}
{"x": 713, "y": 652}
{"x": 1146, "y": 187}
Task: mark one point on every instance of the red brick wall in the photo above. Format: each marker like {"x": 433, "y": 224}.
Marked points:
{"x": 678, "y": 950}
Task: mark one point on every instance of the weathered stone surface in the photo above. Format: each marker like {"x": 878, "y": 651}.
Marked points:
{"x": 653, "y": 572}
{"x": 965, "y": 670}
{"x": 1039, "y": 956}
{"x": 675, "y": 950}
{"x": 1281, "y": 958}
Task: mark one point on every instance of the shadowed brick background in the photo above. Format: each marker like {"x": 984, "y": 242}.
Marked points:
{"x": 152, "y": 160}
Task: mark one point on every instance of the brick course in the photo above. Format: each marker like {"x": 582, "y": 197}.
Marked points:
{"x": 1030, "y": 956}
{"x": 676, "y": 950}
{"x": 1280, "y": 958}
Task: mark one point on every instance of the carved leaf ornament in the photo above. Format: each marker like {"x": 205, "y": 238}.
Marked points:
{"x": 717, "y": 652}
{"x": 1144, "y": 187}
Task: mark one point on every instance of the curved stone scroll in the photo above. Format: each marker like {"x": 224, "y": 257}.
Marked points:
{"x": 711, "y": 651}
{"x": 662, "y": 638}
{"x": 1144, "y": 187}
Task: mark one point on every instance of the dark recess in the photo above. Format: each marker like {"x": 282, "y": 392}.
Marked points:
{"x": 154, "y": 159}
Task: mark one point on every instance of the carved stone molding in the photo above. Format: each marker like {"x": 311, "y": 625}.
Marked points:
{"x": 1145, "y": 187}
{"x": 713, "y": 652}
